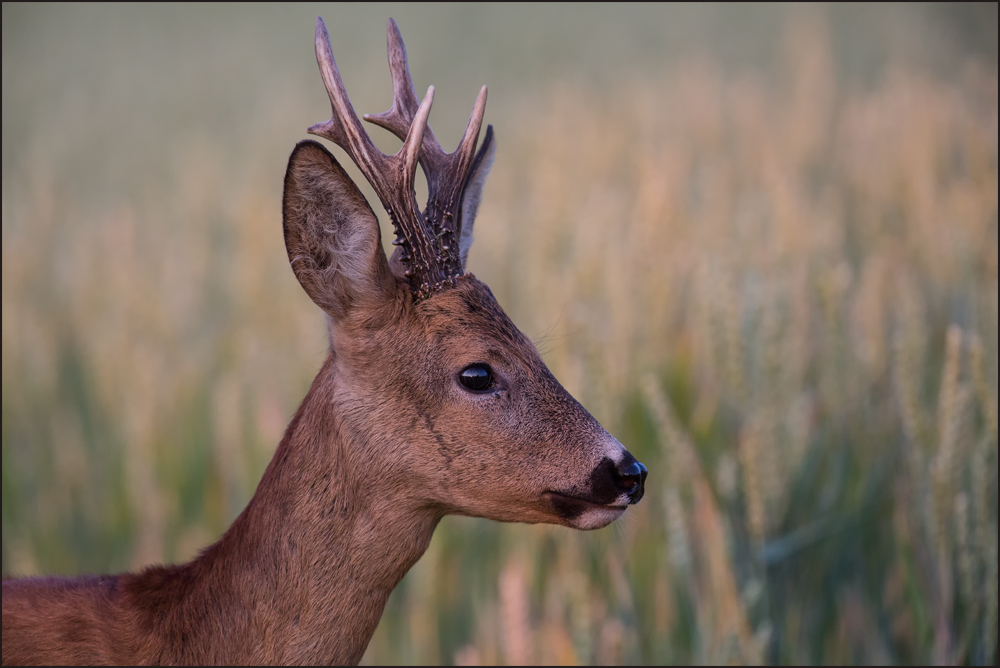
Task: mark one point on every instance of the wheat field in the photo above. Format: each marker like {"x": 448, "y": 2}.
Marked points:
{"x": 766, "y": 264}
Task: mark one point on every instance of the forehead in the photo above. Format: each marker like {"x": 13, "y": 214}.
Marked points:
{"x": 469, "y": 308}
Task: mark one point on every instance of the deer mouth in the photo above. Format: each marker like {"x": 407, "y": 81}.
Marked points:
{"x": 585, "y": 513}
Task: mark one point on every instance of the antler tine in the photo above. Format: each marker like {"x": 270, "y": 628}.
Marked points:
{"x": 344, "y": 128}
{"x": 390, "y": 176}
{"x": 399, "y": 117}
{"x": 414, "y": 138}
{"x": 467, "y": 145}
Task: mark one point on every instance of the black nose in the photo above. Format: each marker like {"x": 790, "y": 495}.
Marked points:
{"x": 630, "y": 476}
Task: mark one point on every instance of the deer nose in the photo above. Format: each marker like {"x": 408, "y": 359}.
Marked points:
{"x": 630, "y": 476}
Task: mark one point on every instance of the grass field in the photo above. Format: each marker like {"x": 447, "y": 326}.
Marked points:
{"x": 759, "y": 245}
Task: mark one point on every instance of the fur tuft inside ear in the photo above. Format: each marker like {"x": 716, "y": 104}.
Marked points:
{"x": 332, "y": 235}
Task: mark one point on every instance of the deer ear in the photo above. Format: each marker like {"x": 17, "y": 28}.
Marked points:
{"x": 331, "y": 234}
{"x": 473, "y": 193}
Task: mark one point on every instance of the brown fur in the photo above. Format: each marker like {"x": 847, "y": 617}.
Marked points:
{"x": 386, "y": 442}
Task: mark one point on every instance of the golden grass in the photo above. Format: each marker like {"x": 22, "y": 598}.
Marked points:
{"x": 781, "y": 294}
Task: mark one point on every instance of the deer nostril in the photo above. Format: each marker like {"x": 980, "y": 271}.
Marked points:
{"x": 633, "y": 470}
{"x": 631, "y": 475}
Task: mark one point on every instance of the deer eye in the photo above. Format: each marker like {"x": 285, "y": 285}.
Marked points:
{"x": 477, "y": 377}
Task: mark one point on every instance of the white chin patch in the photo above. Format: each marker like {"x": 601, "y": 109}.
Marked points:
{"x": 597, "y": 517}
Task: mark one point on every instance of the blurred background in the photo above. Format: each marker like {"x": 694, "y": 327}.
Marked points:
{"x": 757, "y": 242}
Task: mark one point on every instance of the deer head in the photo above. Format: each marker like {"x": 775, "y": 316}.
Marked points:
{"x": 445, "y": 401}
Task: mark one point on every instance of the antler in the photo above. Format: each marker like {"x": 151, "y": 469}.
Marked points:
{"x": 429, "y": 240}
{"x": 446, "y": 172}
{"x": 390, "y": 176}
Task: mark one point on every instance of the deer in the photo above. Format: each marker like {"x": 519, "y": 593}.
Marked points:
{"x": 430, "y": 402}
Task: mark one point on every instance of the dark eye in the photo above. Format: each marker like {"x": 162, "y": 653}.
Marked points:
{"x": 477, "y": 377}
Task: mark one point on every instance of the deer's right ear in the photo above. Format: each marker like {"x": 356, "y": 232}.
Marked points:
{"x": 478, "y": 172}
{"x": 332, "y": 235}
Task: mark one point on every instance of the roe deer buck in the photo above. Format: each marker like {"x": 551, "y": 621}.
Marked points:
{"x": 430, "y": 402}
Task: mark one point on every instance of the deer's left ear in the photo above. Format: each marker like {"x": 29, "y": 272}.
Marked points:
{"x": 473, "y": 193}
{"x": 332, "y": 235}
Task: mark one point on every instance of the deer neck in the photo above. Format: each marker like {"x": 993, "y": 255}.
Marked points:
{"x": 310, "y": 563}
